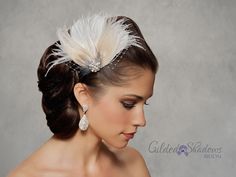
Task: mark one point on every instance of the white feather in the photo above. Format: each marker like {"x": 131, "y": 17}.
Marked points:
{"x": 95, "y": 39}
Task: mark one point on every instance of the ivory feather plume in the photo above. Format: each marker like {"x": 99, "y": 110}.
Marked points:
{"x": 94, "y": 40}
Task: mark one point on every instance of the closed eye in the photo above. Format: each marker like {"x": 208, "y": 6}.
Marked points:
{"x": 128, "y": 105}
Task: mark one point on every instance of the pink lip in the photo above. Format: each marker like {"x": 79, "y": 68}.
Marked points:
{"x": 129, "y": 135}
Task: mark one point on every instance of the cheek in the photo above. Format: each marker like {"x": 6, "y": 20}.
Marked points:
{"x": 113, "y": 112}
{"x": 110, "y": 115}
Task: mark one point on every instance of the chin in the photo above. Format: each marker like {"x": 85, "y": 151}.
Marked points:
{"x": 116, "y": 145}
{"x": 121, "y": 146}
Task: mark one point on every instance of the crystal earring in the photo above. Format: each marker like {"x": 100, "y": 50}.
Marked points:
{"x": 83, "y": 123}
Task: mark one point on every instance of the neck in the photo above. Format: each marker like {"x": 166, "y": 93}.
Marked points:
{"x": 83, "y": 148}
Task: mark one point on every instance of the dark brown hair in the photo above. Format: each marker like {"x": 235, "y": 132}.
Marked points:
{"x": 58, "y": 100}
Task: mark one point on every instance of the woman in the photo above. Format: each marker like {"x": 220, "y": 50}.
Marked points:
{"x": 94, "y": 81}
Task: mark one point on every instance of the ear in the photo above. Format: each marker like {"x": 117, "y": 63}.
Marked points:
{"x": 81, "y": 93}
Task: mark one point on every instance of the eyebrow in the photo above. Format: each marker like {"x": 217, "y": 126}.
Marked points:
{"x": 137, "y": 96}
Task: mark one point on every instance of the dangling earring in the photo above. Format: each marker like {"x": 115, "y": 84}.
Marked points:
{"x": 83, "y": 123}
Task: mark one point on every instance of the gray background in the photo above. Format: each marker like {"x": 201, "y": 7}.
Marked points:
{"x": 195, "y": 92}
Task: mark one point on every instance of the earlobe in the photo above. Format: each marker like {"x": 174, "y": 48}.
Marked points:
{"x": 81, "y": 93}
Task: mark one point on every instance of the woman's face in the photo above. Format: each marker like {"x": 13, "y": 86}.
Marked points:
{"x": 117, "y": 114}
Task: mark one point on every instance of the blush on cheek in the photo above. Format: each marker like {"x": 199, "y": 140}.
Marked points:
{"x": 113, "y": 113}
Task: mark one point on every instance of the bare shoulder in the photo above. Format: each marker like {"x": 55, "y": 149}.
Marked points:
{"x": 22, "y": 170}
{"x": 133, "y": 161}
{"x": 17, "y": 173}
{"x": 29, "y": 166}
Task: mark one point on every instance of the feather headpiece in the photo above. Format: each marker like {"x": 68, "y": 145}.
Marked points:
{"x": 93, "y": 42}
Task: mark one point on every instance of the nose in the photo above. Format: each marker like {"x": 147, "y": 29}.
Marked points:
{"x": 139, "y": 118}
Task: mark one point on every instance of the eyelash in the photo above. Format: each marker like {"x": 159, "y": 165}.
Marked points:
{"x": 128, "y": 105}
{"x": 146, "y": 103}
{"x": 131, "y": 105}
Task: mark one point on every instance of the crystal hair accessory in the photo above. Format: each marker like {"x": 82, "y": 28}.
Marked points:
{"x": 93, "y": 42}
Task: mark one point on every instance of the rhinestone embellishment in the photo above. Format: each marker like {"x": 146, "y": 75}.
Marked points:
{"x": 94, "y": 66}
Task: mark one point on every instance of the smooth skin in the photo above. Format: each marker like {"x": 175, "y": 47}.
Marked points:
{"x": 102, "y": 150}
